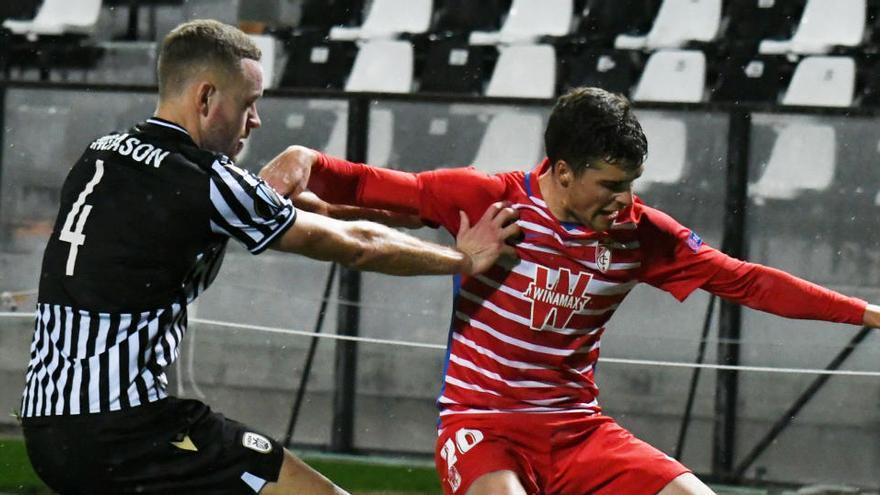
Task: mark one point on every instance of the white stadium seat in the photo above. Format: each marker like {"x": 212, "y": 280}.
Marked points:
{"x": 802, "y": 159}
{"x": 524, "y": 71}
{"x": 528, "y": 20}
{"x": 381, "y": 137}
{"x": 268, "y": 46}
{"x": 388, "y": 18}
{"x": 512, "y": 142}
{"x": 384, "y": 66}
{"x": 677, "y": 22}
{"x": 824, "y": 24}
{"x": 667, "y": 149}
{"x": 673, "y": 75}
{"x": 58, "y": 17}
{"x": 822, "y": 81}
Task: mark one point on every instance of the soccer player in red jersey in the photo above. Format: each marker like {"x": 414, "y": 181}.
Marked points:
{"x": 518, "y": 408}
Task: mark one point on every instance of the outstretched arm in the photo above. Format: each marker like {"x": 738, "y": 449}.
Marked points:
{"x": 309, "y": 201}
{"x": 678, "y": 262}
{"x": 373, "y": 247}
{"x": 768, "y": 289}
{"x": 435, "y": 197}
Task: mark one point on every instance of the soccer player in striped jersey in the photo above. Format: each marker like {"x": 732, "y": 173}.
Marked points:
{"x": 145, "y": 216}
{"x": 518, "y": 408}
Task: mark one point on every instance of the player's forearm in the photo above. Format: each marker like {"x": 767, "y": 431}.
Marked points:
{"x": 308, "y": 201}
{"x": 385, "y": 217}
{"x": 385, "y": 250}
{"x": 774, "y": 291}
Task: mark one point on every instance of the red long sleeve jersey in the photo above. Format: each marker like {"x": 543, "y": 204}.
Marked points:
{"x": 525, "y": 335}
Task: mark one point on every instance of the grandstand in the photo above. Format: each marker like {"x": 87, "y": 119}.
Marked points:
{"x": 764, "y": 136}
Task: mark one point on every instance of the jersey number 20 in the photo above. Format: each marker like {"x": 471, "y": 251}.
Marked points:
{"x": 76, "y": 238}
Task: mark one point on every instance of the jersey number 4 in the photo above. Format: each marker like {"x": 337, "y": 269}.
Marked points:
{"x": 76, "y": 238}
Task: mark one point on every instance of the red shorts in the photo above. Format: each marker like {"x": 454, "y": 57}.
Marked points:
{"x": 559, "y": 454}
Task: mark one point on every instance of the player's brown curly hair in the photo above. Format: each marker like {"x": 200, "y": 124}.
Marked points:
{"x": 590, "y": 124}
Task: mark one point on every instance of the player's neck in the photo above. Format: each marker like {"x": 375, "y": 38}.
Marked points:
{"x": 551, "y": 191}
{"x": 175, "y": 112}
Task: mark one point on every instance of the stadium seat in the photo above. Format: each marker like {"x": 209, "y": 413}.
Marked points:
{"x": 871, "y": 86}
{"x": 388, "y": 18}
{"x": 524, "y": 71}
{"x": 134, "y": 8}
{"x": 321, "y": 15}
{"x": 667, "y": 149}
{"x": 802, "y": 159}
{"x": 822, "y": 81}
{"x": 455, "y": 67}
{"x": 382, "y": 66}
{"x": 603, "y": 20}
{"x": 465, "y": 16}
{"x": 59, "y": 17}
{"x": 530, "y": 20}
{"x": 824, "y": 25}
{"x": 20, "y": 9}
{"x": 752, "y": 79}
{"x": 381, "y": 133}
{"x": 436, "y": 136}
{"x": 512, "y": 142}
{"x": 755, "y": 20}
{"x": 268, "y": 46}
{"x": 678, "y": 22}
{"x": 674, "y": 76}
{"x": 319, "y": 64}
{"x": 613, "y": 70}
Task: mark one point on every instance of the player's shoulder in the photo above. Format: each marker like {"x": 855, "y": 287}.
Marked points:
{"x": 652, "y": 221}
{"x": 149, "y": 151}
{"x": 467, "y": 181}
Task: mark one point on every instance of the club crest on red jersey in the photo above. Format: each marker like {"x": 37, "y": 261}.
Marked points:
{"x": 554, "y": 305}
{"x": 603, "y": 258}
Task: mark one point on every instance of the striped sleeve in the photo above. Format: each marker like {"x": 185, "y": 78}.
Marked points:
{"x": 246, "y": 208}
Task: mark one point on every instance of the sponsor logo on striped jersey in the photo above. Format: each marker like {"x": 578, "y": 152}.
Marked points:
{"x": 554, "y": 305}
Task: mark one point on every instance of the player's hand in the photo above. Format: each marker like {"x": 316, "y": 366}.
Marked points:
{"x": 288, "y": 173}
{"x": 486, "y": 240}
{"x": 872, "y": 316}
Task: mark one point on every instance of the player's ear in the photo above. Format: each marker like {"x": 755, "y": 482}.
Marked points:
{"x": 205, "y": 94}
{"x": 564, "y": 173}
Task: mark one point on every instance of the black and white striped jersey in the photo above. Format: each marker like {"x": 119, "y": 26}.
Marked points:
{"x": 142, "y": 227}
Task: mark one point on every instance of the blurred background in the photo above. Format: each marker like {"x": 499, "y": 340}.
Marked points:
{"x": 762, "y": 121}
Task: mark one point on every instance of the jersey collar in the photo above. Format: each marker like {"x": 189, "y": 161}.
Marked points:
{"x": 168, "y": 128}
{"x": 533, "y": 189}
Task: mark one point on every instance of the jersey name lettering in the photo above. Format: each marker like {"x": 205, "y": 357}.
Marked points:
{"x": 132, "y": 147}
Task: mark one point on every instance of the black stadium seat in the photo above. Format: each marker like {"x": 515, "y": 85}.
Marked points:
{"x": 321, "y": 15}
{"x": 751, "y": 79}
{"x": 464, "y": 16}
{"x": 453, "y": 66}
{"x": 750, "y": 21}
{"x": 870, "y": 76}
{"x": 606, "y": 19}
{"x": 613, "y": 70}
{"x": 18, "y": 9}
{"x": 317, "y": 63}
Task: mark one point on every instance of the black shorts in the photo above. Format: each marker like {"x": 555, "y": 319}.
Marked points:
{"x": 172, "y": 446}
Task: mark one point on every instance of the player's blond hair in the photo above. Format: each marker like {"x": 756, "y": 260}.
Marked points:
{"x": 198, "y": 45}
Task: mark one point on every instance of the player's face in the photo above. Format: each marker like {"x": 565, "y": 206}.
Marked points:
{"x": 595, "y": 197}
{"x": 234, "y": 115}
